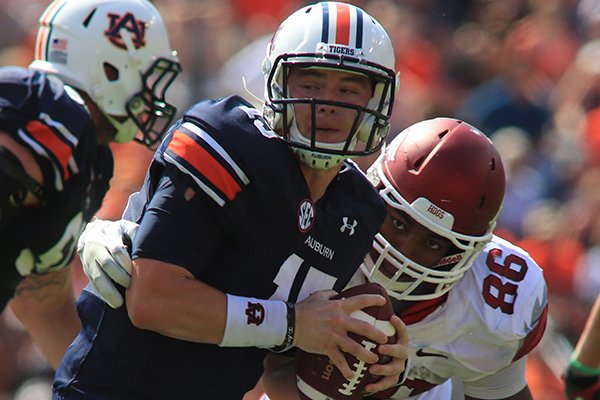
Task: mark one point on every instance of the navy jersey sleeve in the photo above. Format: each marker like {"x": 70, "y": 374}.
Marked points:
{"x": 179, "y": 226}
{"x": 50, "y": 120}
{"x": 195, "y": 185}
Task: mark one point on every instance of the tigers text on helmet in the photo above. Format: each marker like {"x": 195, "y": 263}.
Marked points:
{"x": 116, "y": 51}
{"x": 447, "y": 176}
{"x": 337, "y": 36}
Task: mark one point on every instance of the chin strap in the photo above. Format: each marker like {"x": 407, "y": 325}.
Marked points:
{"x": 316, "y": 159}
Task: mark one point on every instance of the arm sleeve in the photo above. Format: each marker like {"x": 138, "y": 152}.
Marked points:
{"x": 180, "y": 226}
{"x": 504, "y": 383}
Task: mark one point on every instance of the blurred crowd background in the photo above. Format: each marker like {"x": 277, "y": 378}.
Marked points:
{"x": 524, "y": 71}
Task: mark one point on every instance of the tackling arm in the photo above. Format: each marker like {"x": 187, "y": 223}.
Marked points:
{"x": 45, "y": 304}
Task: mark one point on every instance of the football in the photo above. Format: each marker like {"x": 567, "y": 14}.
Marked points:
{"x": 319, "y": 379}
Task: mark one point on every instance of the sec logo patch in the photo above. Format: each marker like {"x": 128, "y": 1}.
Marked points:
{"x": 306, "y": 215}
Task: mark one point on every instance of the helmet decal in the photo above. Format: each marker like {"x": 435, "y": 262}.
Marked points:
{"x": 129, "y": 23}
{"x": 58, "y": 51}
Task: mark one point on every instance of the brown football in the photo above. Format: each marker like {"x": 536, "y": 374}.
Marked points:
{"x": 319, "y": 379}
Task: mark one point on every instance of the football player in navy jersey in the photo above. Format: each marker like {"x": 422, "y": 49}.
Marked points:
{"x": 249, "y": 222}
{"x": 100, "y": 74}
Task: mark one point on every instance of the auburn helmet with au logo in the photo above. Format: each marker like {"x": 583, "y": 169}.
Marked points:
{"x": 336, "y": 36}
{"x": 447, "y": 176}
{"x": 118, "y": 53}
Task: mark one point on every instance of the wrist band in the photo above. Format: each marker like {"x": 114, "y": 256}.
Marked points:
{"x": 254, "y": 322}
{"x": 579, "y": 367}
{"x": 290, "y": 333}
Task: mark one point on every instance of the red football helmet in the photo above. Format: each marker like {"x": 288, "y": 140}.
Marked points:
{"x": 447, "y": 176}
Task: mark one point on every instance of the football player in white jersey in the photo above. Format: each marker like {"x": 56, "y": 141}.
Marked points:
{"x": 473, "y": 303}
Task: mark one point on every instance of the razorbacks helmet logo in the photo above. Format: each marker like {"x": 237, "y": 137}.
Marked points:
{"x": 131, "y": 25}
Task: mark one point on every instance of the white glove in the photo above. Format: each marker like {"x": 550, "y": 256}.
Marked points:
{"x": 54, "y": 258}
{"x": 102, "y": 248}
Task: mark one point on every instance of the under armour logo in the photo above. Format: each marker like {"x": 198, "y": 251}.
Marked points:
{"x": 130, "y": 24}
{"x": 422, "y": 353}
{"x": 350, "y": 226}
{"x": 255, "y": 313}
{"x": 306, "y": 215}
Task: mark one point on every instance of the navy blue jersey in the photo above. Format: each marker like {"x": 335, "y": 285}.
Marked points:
{"x": 226, "y": 199}
{"x": 50, "y": 120}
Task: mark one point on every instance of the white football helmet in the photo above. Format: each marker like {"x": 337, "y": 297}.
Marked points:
{"x": 447, "y": 176}
{"x": 116, "y": 51}
{"x": 338, "y": 36}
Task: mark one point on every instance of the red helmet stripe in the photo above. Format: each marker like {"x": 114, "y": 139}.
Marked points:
{"x": 39, "y": 42}
{"x": 342, "y": 30}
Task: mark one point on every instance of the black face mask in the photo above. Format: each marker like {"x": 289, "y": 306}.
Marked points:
{"x": 156, "y": 114}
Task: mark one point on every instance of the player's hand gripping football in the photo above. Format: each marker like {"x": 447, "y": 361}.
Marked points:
{"x": 105, "y": 257}
{"x": 322, "y": 327}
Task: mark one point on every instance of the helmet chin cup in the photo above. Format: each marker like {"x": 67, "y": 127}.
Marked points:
{"x": 313, "y": 158}
{"x": 126, "y": 130}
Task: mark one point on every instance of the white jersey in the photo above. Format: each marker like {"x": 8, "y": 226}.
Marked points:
{"x": 491, "y": 318}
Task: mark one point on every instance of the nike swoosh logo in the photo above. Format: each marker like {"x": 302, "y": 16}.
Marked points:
{"x": 421, "y": 353}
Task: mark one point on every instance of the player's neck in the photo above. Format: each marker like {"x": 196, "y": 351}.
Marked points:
{"x": 105, "y": 132}
{"x": 318, "y": 180}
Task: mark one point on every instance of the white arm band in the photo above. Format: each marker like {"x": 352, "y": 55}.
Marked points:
{"x": 254, "y": 322}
